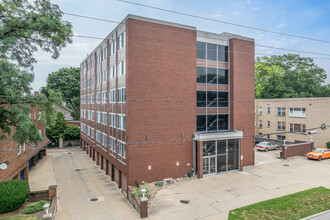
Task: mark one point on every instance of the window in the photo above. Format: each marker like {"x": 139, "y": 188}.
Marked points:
{"x": 201, "y": 50}
{"x": 88, "y": 114}
{"x": 104, "y": 54}
{"x": 112, "y": 119}
{"x": 260, "y": 123}
{"x": 104, "y": 139}
{"x": 268, "y": 110}
{"x": 121, "y": 40}
{"x": 88, "y": 131}
{"x": 92, "y": 98}
{"x": 212, "y": 122}
{"x": 201, "y": 74}
{"x": 24, "y": 147}
{"x": 104, "y": 97}
{"x": 121, "y": 121}
{"x": 30, "y": 115}
{"x": 280, "y": 137}
{"x": 104, "y": 118}
{"x": 98, "y": 136}
{"x": 222, "y": 53}
{"x": 92, "y": 133}
{"x": 112, "y": 144}
{"x": 19, "y": 149}
{"x": 88, "y": 99}
{"x": 112, "y": 96}
{"x": 280, "y": 111}
{"x": 260, "y": 111}
{"x": 92, "y": 115}
{"x": 112, "y": 72}
{"x": 98, "y": 117}
{"x": 39, "y": 115}
{"x": 121, "y": 149}
{"x": 121, "y": 94}
{"x": 297, "y": 112}
{"x": 212, "y": 99}
{"x": 281, "y": 126}
{"x": 297, "y": 127}
{"x": 268, "y": 123}
{"x": 104, "y": 75}
{"x": 98, "y": 98}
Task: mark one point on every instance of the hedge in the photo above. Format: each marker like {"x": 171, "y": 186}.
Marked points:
{"x": 35, "y": 207}
{"x": 13, "y": 194}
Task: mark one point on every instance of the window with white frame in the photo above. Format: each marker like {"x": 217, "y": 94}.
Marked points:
{"x": 89, "y": 131}
{"x": 112, "y": 96}
{"x": 104, "y": 97}
{"x": 89, "y": 99}
{"x": 297, "y": 127}
{"x": 121, "y": 121}
{"x": 104, "y": 75}
{"x": 98, "y": 78}
{"x": 98, "y": 98}
{"x": 92, "y": 98}
{"x": 260, "y": 111}
{"x": 81, "y": 113}
{"x": 121, "y": 68}
{"x": 121, "y": 149}
{"x": 19, "y": 149}
{"x": 121, "y": 94}
{"x": 112, "y": 144}
{"x": 281, "y": 125}
{"x": 92, "y": 133}
{"x": 113, "y": 72}
{"x": 112, "y": 119}
{"x": 88, "y": 114}
{"x": 98, "y": 117}
{"x": 104, "y": 118}
{"x": 297, "y": 112}
{"x": 280, "y": 111}
{"x": 260, "y": 123}
{"x": 113, "y": 46}
{"x": 92, "y": 116}
{"x": 104, "y": 139}
{"x": 104, "y": 54}
{"x": 98, "y": 136}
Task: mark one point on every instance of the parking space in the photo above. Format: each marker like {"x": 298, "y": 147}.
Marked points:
{"x": 271, "y": 156}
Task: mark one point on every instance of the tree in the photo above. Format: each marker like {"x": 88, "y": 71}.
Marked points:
{"x": 57, "y": 131}
{"x": 25, "y": 26}
{"x": 67, "y": 82}
{"x": 289, "y": 76}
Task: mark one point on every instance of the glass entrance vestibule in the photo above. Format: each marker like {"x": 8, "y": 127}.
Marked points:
{"x": 220, "y": 156}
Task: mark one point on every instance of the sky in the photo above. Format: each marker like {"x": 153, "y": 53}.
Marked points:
{"x": 298, "y": 17}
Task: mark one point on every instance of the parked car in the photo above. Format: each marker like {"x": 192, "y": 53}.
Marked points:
{"x": 319, "y": 153}
{"x": 265, "y": 146}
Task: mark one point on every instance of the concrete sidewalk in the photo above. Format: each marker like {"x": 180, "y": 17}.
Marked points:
{"x": 214, "y": 196}
{"x": 76, "y": 188}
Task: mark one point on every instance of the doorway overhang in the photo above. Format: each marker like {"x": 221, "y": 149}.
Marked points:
{"x": 218, "y": 135}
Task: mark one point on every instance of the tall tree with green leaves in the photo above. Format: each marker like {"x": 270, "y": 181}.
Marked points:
{"x": 25, "y": 26}
{"x": 67, "y": 82}
{"x": 289, "y": 76}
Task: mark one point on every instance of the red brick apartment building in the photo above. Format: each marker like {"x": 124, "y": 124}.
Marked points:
{"x": 17, "y": 159}
{"x": 161, "y": 99}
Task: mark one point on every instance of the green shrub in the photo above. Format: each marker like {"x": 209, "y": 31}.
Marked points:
{"x": 34, "y": 207}
{"x": 13, "y": 194}
{"x": 138, "y": 192}
{"x": 328, "y": 144}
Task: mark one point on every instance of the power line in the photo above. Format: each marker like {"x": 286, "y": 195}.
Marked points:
{"x": 225, "y": 22}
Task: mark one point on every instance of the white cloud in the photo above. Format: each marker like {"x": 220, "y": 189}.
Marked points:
{"x": 280, "y": 25}
{"x": 236, "y": 13}
{"x": 255, "y": 9}
{"x": 217, "y": 15}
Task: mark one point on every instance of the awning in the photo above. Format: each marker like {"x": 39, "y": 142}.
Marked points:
{"x": 217, "y": 135}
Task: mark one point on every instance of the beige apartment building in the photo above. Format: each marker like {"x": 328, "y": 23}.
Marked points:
{"x": 298, "y": 115}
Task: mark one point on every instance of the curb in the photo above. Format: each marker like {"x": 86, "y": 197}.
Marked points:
{"x": 318, "y": 214}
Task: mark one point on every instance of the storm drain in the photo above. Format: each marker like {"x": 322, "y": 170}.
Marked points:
{"x": 94, "y": 199}
{"x": 78, "y": 170}
{"x": 286, "y": 165}
{"x": 184, "y": 201}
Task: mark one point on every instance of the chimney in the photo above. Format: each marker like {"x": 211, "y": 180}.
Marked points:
{"x": 36, "y": 93}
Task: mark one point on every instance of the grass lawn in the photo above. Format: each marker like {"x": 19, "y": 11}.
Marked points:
{"x": 19, "y": 217}
{"x": 294, "y": 206}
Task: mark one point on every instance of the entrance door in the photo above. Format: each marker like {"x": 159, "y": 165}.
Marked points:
{"x": 233, "y": 155}
{"x": 209, "y": 165}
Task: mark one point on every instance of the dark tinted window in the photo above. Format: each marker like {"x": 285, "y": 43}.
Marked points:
{"x": 222, "y": 99}
{"x": 223, "y": 76}
{"x": 201, "y": 122}
{"x": 222, "y": 53}
{"x": 212, "y": 99}
{"x": 201, "y": 74}
{"x": 201, "y": 98}
{"x": 212, "y": 75}
{"x": 211, "y": 122}
{"x": 201, "y": 50}
{"x": 211, "y": 51}
{"x": 222, "y": 122}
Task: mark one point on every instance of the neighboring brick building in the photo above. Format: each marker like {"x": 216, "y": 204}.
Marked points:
{"x": 293, "y": 115}
{"x": 160, "y": 100}
{"x": 19, "y": 158}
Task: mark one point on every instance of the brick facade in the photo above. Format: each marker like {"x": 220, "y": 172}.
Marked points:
{"x": 18, "y": 164}
{"x": 160, "y": 104}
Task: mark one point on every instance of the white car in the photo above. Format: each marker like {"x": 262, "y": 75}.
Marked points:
{"x": 265, "y": 146}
